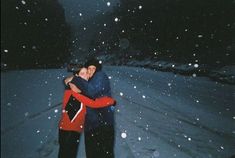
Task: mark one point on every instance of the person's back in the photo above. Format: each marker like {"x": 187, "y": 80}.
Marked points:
{"x": 100, "y": 116}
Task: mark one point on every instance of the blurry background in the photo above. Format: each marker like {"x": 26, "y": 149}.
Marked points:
{"x": 51, "y": 33}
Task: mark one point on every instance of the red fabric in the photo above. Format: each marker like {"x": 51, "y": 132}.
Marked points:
{"x": 77, "y": 124}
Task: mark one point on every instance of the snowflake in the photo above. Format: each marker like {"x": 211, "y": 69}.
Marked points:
{"x": 56, "y": 111}
{"x": 105, "y": 24}
{"x": 200, "y": 36}
{"x": 5, "y": 50}
{"x": 46, "y": 19}
{"x": 124, "y": 135}
{"x": 194, "y": 75}
{"x": 135, "y": 87}
{"x": 196, "y": 65}
{"x": 156, "y": 154}
{"x": 116, "y": 19}
{"x": 26, "y": 114}
{"x": 139, "y": 138}
{"x": 38, "y": 131}
{"x": 23, "y": 2}
{"x": 80, "y": 14}
{"x": 110, "y": 77}
{"x": 108, "y": 4}
{"x": 121, "y": 94}
{"x": 140, "y": 7}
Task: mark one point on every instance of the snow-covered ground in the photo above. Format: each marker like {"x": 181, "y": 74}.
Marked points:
{"x": 225, "y": 74}
{"x": 158, "y": 114}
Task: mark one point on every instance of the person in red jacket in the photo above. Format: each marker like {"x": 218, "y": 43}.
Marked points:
{"x": 73, "y": 117}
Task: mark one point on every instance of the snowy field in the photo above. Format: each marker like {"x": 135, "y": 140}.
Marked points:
{"x": 158, "y": 114}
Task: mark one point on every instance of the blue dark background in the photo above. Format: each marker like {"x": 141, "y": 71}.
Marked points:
{"x": 48, "y": 33}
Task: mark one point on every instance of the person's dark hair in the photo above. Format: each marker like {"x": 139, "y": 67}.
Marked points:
{"x": 94, "y": 62}
{"x": 75, "y": 68}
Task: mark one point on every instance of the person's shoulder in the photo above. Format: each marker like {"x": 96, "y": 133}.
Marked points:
{"x": 100, "y": 73}
{"x": 78, "y": 78}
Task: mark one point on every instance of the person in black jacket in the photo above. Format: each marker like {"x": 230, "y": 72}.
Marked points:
{"x": 99, "y": 123}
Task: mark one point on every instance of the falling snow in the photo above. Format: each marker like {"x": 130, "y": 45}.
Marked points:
{"x": 116, "y": 19}
{"x": 23, "y": 2}
{"x": 123, "y": 135}
{"x": 196, "y": 65}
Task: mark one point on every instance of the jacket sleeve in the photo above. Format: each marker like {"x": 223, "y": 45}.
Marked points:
{"x": 99, "y": 86}
{"x": 97, "y": 103}
{"x": 95, "y": 88}
{"x": 81, "y": 84}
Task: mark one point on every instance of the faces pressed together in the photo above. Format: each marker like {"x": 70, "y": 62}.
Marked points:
{"x": 87, "y": 73}
{"x": 83, "y": 73}
{"x": 91, "y": 70}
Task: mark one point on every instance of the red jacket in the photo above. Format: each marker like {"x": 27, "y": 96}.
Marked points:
{"x": 78, "y": 122}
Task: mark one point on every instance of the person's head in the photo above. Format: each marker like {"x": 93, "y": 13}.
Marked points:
{"x": 93, "y": 65}
{"x": 82, "y": 72}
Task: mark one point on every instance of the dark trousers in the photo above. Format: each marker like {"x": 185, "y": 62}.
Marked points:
{"x": 68, "y": 141}
{"x": 100, "y": 142}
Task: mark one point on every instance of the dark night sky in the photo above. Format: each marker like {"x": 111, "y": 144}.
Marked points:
{"x": 184, "y": 31}
{"x": 79, "y": 11}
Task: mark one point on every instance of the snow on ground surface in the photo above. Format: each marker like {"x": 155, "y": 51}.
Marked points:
{"x": 158, "y": 114}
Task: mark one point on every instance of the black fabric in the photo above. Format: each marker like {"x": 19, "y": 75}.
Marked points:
{"x": 68, "y": 141}
{"x": 95, "y": 62}
{"x": 100, "y": 142}
{"x": 72, "y": 107}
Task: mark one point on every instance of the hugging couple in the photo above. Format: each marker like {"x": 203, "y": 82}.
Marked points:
{"x": 88, "y": 105}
